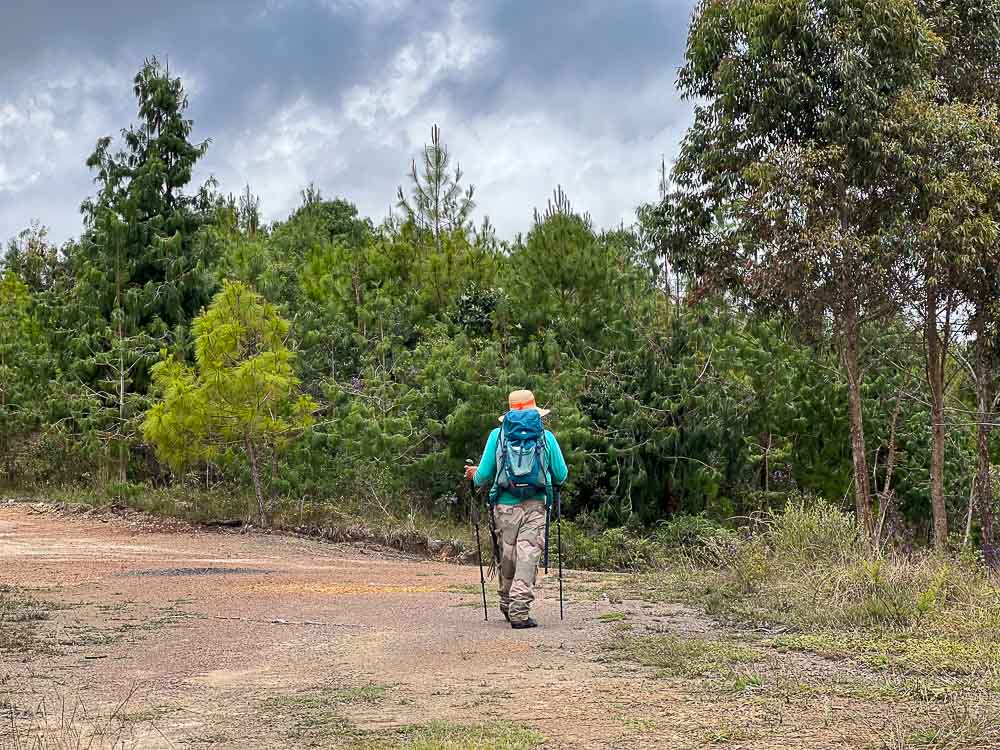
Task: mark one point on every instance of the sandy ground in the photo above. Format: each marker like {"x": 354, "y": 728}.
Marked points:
{"x": 208, "y": 634}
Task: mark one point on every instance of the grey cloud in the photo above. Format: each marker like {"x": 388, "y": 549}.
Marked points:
{"x": 343, "y": 93}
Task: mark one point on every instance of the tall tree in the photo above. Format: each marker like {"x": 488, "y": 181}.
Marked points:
{"x": 142, "y": 268}
{"x": 949, "y": 164}
{"x": 141, "y": 247}
{"x": 947, "y": 155}
{"x": 438, "y": 202}
{"x": 786, "y": 146}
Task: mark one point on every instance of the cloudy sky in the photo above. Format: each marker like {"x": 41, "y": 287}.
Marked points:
{"x": 343, "y": 93}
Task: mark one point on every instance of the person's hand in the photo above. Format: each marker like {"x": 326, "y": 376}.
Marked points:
{"x": 470, "y": 471}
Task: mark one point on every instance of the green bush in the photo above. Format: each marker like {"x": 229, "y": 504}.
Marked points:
{"x": 689, "y": 534}
{"x": 810, "y": 529}
{"x": 617, "y": 550}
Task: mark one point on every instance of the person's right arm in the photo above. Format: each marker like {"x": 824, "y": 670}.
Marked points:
{"x": 487, "y": 469}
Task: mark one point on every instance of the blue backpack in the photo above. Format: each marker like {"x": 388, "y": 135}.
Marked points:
{"x": 522, "y": 458}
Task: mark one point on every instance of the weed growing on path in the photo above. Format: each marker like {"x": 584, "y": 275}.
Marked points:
{"x": 20, "y": 615}
{"x": 316, "y": 715}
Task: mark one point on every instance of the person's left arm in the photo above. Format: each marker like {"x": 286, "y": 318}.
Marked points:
{"x": 557, "y": 464}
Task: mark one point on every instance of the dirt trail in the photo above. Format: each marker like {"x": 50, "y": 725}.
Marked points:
{"x": 224, "y": 640}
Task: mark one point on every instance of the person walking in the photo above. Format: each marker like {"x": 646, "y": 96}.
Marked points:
{"x": 523, "y": 461}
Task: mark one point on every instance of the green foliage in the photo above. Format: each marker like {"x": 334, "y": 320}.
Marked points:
{"x": 438, "y": 204}
{"x": 612, "y": 549}
{"x": 350, "y": 364}
{"x": 23, "y": 368}
{"x": 141, "y": 251}
{"x": 685, "y": 533}
{"x": 241, "y": 395}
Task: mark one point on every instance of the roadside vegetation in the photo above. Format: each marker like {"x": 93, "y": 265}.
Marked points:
{"x": 810, "y": 612}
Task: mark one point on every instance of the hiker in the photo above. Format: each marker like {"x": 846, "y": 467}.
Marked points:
{"x": 522, "y": 477}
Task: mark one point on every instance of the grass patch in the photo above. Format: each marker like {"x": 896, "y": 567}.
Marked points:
{"x": 916, "y": 653}
{"x": 728, "y": 734}
{"x": 329, "y": 697}
{"x": 20, "y": 616}
{"x": 314, "y": 715}
{"x": 959, "y": 729}
{"x": 747, "y": 682}
{"x": 675, "y": 656}
{"x": 441, "y": 735}
{"x": 612, "y": 617}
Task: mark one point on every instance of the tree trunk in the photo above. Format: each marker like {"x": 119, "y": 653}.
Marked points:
{"x": 886, "y": 496}
{"x": 984, "y": 484}
{"x": 935, "y": 379}
{"x": 255, "y": 474}
{"x": 862, "y": 488}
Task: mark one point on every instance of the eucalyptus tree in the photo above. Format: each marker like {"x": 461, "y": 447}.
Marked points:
{"x": 944, "y": 139}
{"x": 779, "y": 189}
{"x": 948, "y": 230}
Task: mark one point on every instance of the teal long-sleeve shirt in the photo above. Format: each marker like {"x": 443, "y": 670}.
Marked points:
{"x": 487, "y": 470}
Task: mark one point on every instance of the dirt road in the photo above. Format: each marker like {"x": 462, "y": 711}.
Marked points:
{"x": 201, "y": 638}
{"x": 220, "y": 639}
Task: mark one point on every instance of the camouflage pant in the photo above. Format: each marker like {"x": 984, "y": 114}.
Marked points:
{"x": 521, "y": 533}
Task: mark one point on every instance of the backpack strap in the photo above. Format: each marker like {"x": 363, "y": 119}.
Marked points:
{"x": 544, "y": 450}
{"x": 501, "y": 464}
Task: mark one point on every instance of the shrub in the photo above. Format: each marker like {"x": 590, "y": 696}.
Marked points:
{"x": 809, "y": 529}
{"x": 618, "y": 549}
{"x": 688, "y": 534}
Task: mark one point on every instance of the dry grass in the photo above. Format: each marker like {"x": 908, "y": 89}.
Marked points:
{"x": 20, "y": 616}
{"x": 958, "y": 729}
{"x": 59, "y": 723}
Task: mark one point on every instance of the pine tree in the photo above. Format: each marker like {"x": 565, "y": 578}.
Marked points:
{"x": 141, "y": 247}
{"x": 142, "y": 268}
{"x": 23, "y": 368}
{"x": 438, "y": 203}
{"x": 241, "y": 394}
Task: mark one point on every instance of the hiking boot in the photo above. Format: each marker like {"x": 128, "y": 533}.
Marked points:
{"x": 521, "y": 624}
{"x": 505, "y": 614}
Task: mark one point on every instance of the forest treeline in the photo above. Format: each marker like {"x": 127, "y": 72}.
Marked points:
{"x": 807, "y": 308}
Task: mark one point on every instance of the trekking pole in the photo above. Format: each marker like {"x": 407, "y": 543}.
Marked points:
{"x": 479, "y": 548}
{"x": 559, "y": 542}
{"x": 548, "y": 513}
